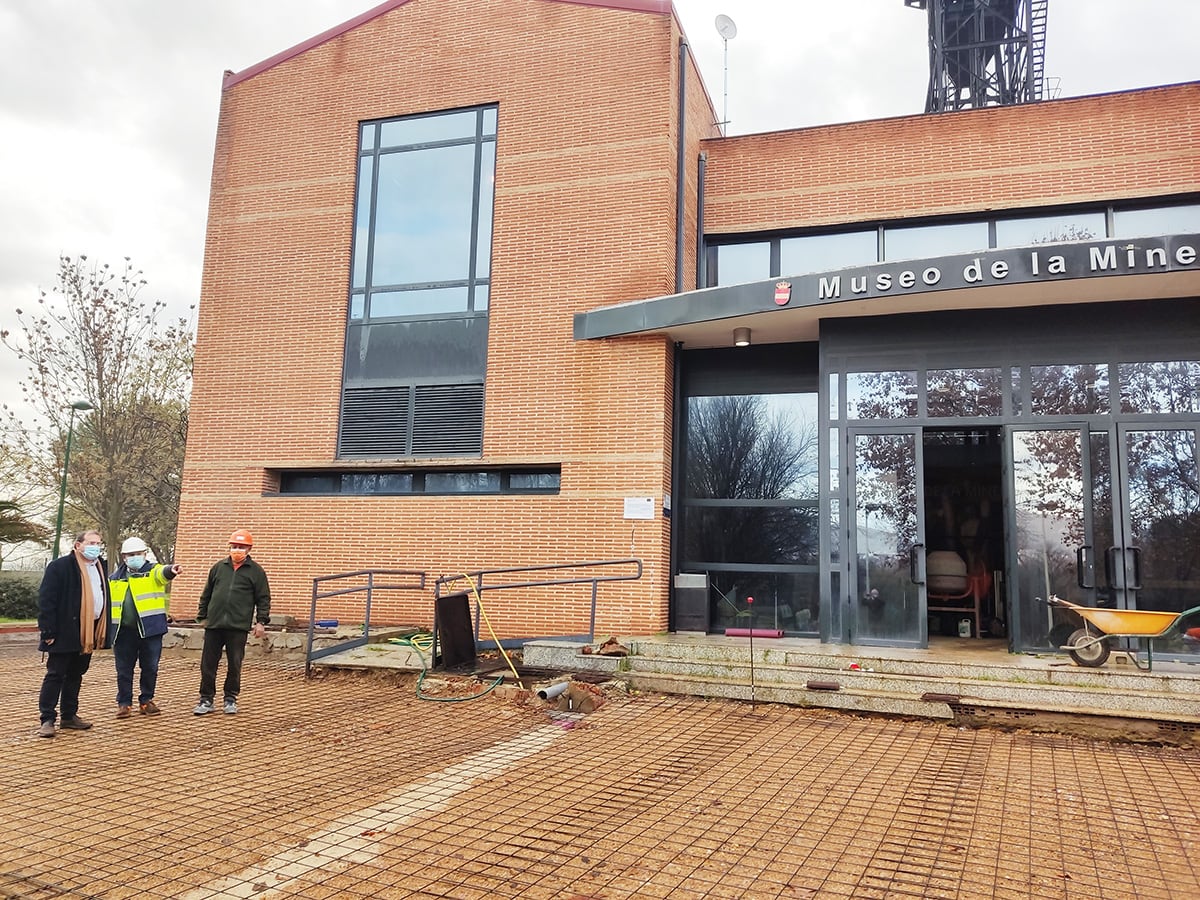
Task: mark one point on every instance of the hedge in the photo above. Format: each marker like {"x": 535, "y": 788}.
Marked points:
{"x": 19, "y": 596}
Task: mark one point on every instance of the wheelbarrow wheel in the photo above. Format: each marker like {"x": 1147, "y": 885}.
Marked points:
{"x": 1088, "y": 649}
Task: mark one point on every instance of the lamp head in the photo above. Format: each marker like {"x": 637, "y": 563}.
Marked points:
{"x": 82, "y": 405}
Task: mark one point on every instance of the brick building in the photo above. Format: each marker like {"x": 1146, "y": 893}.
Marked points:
{"x": 473, "y": 278}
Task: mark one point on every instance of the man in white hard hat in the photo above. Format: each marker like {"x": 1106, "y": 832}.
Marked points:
{"x": 140, "y": 591}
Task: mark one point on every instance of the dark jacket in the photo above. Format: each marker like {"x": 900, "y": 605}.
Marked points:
{"x": 235, "y": 598}
{"x": 58, "y": 606}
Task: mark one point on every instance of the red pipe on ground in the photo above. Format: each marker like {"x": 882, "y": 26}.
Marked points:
{"x": 754, "y": 632}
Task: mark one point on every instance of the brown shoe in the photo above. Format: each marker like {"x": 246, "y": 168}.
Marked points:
{"x": 149, "y": 708}
{"x": 75, "y": 724}
{"x": 123, "y": 712}
{"x": 46, "y": 730}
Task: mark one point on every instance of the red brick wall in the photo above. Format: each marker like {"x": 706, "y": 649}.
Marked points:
{"x": 1107, "y": 147}
{"x": 584, "y": 216}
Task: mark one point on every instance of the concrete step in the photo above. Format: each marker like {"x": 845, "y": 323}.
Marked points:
{"x": 883, "y": 691}
{"x": 889, "y": 681}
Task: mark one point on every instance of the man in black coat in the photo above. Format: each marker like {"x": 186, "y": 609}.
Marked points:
{"x": 74, "y": 619}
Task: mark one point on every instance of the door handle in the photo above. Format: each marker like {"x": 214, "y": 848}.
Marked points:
{"x": 912, "y": 562}
{"x": 1136, "y": 552}
{"x": 1083, "y": 567}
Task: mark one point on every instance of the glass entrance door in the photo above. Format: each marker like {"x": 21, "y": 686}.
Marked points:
{"x": 1050, "y": 545}
{"x": 1155, "y": 563}
{"x": 887, "y": 602}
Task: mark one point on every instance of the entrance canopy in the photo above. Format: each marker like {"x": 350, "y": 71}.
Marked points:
{"x": 779, "y": 310}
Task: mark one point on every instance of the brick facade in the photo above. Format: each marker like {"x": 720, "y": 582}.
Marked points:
{"x": 585, "y": 212}
{"x": 585, "y": 175}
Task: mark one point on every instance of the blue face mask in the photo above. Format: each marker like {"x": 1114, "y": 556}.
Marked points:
{"x": 92, "y": 553}
{"x": 135, "y": 562}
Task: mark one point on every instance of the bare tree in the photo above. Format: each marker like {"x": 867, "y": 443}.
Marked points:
{"x": 93, "y": 338}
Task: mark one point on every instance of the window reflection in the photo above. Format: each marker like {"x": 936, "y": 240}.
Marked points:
{"x": 428, "y": 129}
{"x": 750, "y": 502}
{"x": 756, "y": 446}
{"x": 1160, "y": 387}
{"x": 881, "y": 395}
{"x": 418, "y": 303}
{"x": 1069, "y": 390}
{"x": 423, "y": 216}
{"x": 965, "y": 392}
{"x": 461, "y": 482}
{"x": 1055, "y": 229}
{"x": 740, "y": 263}
{"x": 1162, "y": 220}
{"x": 824, "y": 252}
{"x": 919, "y": 241}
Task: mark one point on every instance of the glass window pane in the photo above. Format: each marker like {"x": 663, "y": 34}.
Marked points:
{"x": 1163, "y": 220}
{"x": 357, "y": 303}
{"x": 423, "y": 216}
{"x": 1160, "y": 387}
{"x": 824, "y": 252}
{"x": 767, "y": 535}
{"x": 921, "y": 241}
{"x": 426, "y": 129}
{"x": 881, "y": 395}
{"x": 754, "y": 446}
{"x": 740, "y": 263}
{"x": 481, "y": 297}
{"x": 489, "y": 121}
{"x": 301, "y": 483}
{"x": 377, "y": 483}
{"x": 462, "y": 482}
{"x": 788, "y": 601}
{"x": 385, "y": 304}
{"x": 366, "y": 136}
{"x": 362, "y": 220}
{"x": 1069, "y": 390}
{"x": 534, "y": 481}
{"x": 1057, "y": 229}
{"x": 965, "y": 392}
{"x": 487, "y": 189}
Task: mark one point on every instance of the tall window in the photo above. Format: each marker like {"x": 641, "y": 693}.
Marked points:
{"x": 416, "y": 342}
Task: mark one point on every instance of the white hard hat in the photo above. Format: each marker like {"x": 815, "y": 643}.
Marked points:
{"x": 134, "y": 545}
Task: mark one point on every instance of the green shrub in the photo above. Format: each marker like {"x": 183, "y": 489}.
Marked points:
{"x": 19, "y": 595}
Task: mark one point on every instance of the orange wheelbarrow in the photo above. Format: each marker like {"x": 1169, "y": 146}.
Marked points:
{"x": 1090, "y": 645}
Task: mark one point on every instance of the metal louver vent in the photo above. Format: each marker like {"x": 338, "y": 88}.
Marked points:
{"x": 420, "y": 420}
{"x": 448, "y": 420}
{"x": 375, "y": 422}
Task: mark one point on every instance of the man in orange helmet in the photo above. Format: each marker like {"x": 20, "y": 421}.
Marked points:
{"x": 235, "y": 600}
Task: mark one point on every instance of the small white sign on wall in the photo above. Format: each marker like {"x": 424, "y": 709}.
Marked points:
{"x": 639, "y": 507}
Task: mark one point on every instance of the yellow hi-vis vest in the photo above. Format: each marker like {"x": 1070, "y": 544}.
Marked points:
{"x": 150, "y": 593}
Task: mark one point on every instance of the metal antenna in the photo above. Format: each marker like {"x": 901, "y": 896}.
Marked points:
{"x": 726, "y": 29}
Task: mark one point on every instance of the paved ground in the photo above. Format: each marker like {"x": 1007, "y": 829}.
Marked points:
{"x": 349, "y": 786}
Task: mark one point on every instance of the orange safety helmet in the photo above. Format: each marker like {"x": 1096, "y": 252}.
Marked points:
{"x": 242, "y": 536}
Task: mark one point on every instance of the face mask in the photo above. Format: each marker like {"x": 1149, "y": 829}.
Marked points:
{"x": 135, "y": 562}
{"x": 238, "y": 555}
{"x": 92, "y": 553}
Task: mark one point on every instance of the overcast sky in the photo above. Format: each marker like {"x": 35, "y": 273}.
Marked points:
{"x": 108, "y": 108}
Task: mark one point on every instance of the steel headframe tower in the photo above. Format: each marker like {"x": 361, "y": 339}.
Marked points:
{"x": 984, "y": 52}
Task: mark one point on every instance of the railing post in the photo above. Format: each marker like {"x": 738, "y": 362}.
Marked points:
{"x": 370, "y": 594}
{"x": 592, "y": 624}
{"x": 312, "y": 615}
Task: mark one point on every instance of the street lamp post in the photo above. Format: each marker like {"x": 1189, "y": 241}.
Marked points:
{"x": 81, "y": 406}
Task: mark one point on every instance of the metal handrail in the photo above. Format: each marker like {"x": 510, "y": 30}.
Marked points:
{"x": 477, "y": 577}
{"x": 370, "y": 588}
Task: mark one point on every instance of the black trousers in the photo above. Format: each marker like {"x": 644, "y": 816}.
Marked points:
{"x": 64, "y": 678}
{"x": 233, "y": 642}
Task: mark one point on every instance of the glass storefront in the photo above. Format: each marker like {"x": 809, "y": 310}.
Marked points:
{"x": 938, "y": 484}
